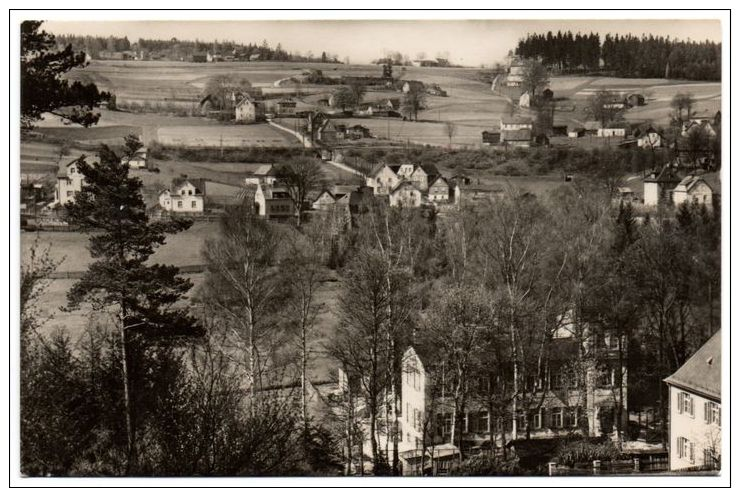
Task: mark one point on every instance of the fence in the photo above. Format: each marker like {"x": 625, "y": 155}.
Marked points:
{"x": 654, "y": 463}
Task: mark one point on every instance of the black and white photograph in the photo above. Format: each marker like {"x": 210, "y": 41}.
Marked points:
{"x": 370, "y": 245}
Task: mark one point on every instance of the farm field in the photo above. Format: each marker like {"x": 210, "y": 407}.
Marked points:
{"x": 255, "y": 135}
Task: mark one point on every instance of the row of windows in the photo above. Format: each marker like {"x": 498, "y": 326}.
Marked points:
{"x": 712, "y": 410}
{"x": 685, "y": 450}
{"x": 480, "y": 422}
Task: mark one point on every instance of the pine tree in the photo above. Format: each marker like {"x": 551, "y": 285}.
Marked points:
{"x": 111, "y": 209}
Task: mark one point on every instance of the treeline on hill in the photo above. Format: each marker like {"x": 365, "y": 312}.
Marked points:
{"x": 626, "y": 56}
{"x": 177, "y": 49}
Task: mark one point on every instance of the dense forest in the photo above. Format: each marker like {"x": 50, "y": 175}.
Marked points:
{"x": 176, "y": 49}
{"x": 626, "y": 56}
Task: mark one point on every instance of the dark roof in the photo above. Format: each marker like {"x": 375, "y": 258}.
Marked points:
{"x": 439, "y": 178}
{"x": 702, "y": 373}
{"x": 667, "y": 175}
{"x": 430, "y": 168}
{"x": 198, "y": 183}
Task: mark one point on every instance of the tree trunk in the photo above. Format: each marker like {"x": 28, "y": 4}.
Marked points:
{"x": 131, "y": 436}
{"x": 304, "y": 369}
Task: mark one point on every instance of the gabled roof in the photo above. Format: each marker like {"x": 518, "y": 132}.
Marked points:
{"x": 198, "y": 183}
{"x": 667, "y": 175}
{"x": 378, "y": 168}
{"x": 702, "y": 373}
{"x": 264, "y": 170}
{"x": 711, "y": 179}
{"x": 439, "y": 178}
{"x": 592, "y": 125}
{"x": 322, "y": 193}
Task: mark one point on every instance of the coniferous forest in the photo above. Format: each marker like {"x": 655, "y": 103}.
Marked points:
{"x": 626, "y": 56}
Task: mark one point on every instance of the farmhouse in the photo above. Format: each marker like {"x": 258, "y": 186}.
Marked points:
{"x": 265, "y": 174}
{"x": 439, "y": 190}
{"x": 286, "y": 107}
{"x": 185, "y": 196}
{"x": 611, "y": 132}
{"x": 248, "y": 110}
{"x": 516, "y": 74}
{"x": 382, "y": 179}
{"x": 69, "y": 183}
{"x": 696, "y": 409}
{"x": 576, "y": 131}
{"x": 697, "y": 188}
{"x": 412, "y": 85}
{"x": 698, "y": 124}
{"x": 658, "y": 187}
{"x": 517, "y": 137}
{"x": 516, "y": 123}
{"x": 358, "y": 131}
{"x": 405, "y": 194}
{"x": 138, "y": 160}
{"x": 490, "y": 137}
{"x": 648, "y": 138}
{"x": 326, "y": 132}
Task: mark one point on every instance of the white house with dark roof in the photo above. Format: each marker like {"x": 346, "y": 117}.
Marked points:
{"x": 695, "y": 413}
{"x": 185, "y": 196}
{"x": 69, "y": 183}
{"x": 697, "y": 188}
{"x": 405, "y": 194}
{"x": 382, "y": 179}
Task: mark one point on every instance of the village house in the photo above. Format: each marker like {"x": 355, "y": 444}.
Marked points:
{"x": 405, "y": 194}
{"x": 69, "y": 183}
{"x": 695, "y": 414}
{"x": 700, "y": 188}
{"x": 439, "y": 190}
{"x": 248, "y": 110}
{"x": 516, "y": 123}
{"x": 412, "y": 85}
{"x": 703, "y": 124}
{"x": 285, "y": 108}
{"x": 138, "y": 160}
{"x": 648, "y": 137}
{"x": 264, "y": 174}
{"x": 491, "y": 137}
{"x": 575, "y": 131}
{"x": 516, "y": 74}
{"x": 273, "y": 202}
{"x": 185, "y": 196}
{"x": 591, "y": 127}
{"x": 382, "y": 179}
{"x": 658, "y": 187}
{"x": 611, "y": 132}
{"x": 358, "y": 131}
{"x": 326, "y": 132}
{"x": 517, "y": 137}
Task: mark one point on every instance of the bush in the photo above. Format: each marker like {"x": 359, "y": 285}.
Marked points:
{"x": 487, "y": 465}
{"x": 585, "y": 451}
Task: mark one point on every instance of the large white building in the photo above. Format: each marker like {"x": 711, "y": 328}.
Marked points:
{"x": 696, "y": 409}
{"x": 69, "y": 182}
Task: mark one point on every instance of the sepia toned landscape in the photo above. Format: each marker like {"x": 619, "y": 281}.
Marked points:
{"x": 242, "y": 259}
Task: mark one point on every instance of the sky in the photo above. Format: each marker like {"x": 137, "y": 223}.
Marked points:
{"x": 468, "y": 42}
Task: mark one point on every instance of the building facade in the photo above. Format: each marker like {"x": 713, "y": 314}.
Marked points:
{"x": 695, "y": 415}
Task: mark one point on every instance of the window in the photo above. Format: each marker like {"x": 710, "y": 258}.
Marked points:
{"x": 70, "y": 193}
{"x": 712, "y": 413}
{"x": 72, "y": 170}
{"x": 537, "y": 419}
{"x": 556, "y": 381}
{"x": 685, "y": 449}
{"x": 484, "y": 422}
{"x": 556, "y": 418}
{"x": 407, "y": 411}
{"x": 179, "y": 204}
{"x": 685, "y": 403}
{"x": 573, "y": 416}
{"x": 193, "y": 204}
